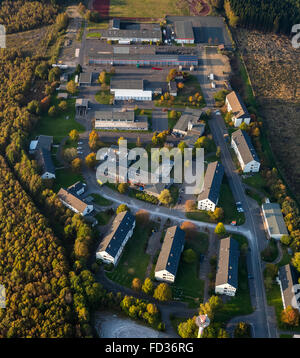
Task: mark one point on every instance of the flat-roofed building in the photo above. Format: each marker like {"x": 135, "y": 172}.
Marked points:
{"x": 209, "y": 197}
{"x": 169, "y": 256}
{"x": 187, "y": 121}
{"x": 85, "y": 78}
{"x": 227, "y": 267}
{"x": 246, "y": 154}
{"x": 120, "y": 120}
{"x": 72, "y": 202}
{"x": 235, "y": 104}
{"x": 130, "y": 89}
{"x": 274, "y": 221}
{"x": 113, "y": 243}
{"x": 184, "y": 32}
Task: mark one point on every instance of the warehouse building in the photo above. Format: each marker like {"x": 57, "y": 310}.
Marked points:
{"x": 120, "y": 120}
{"x": 130, "y": 89}
{"x": 184, "y": 32}
{"x": 274, "y": 221}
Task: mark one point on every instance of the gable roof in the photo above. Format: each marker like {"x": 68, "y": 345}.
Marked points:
{"x": 288, "y": 277}
{"x": 71, "y": 200}
{"x": 244, "y": 146}
{"x": 170, "y": 252}
{"x": 73, "y": 189}
{"x": 44, "y": 159}
{"x": 117, "y": 233}
{"x": 274, "y": 218}
{"x": 187, "y": 116}
{"x": 238, "y": 107}
{"x": 212, "y": 182}
{"x": 228, "y": 260}
{"x": 184, "y": 30}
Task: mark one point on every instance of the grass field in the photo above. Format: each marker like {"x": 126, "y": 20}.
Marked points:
{"x": 103, "y": 217}
{"x": 145, "y": 8}
{"x": 66, "y": 177}
{"x": 58, "y": 126}
{"x": 134, "y": 260}
{"x": 98, "y": 199}
{"x": 187, "y": 284}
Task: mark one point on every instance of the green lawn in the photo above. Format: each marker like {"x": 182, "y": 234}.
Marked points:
{"x": 240, "y": 304}
{"x": 58, "y": 126}
{"x": 188, "y": 287}
{"x": 199, "y": 215}
{"x": 98, "y": 199}
{"x": 103, "y": 97}
{"x": 227, "y": 203}
{"x": 66, "y": 177}
{"x": 134, "y": 260}
{"x": 103, "y": 217}
{"x": 256, "y": 181}
{"x": 140, "y": 8}
{"x": 270, "y": 253}
{"x": 96, "y": 35}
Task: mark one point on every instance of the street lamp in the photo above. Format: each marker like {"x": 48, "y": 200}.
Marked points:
{"x": 202, "y": 322}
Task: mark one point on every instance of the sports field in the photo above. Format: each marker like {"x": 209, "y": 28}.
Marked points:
{"x": 145, "y": 8}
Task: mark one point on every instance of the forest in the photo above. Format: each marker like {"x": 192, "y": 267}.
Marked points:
{"x": 264, "y": 15}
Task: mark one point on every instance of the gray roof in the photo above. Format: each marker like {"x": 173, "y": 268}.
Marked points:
{"x": 117, "y": 233}
{"x": 116, "y": 23}
{"x": 212, "y": 182}
{"x": 44, "y": 159}
{"x": 245, "y": 146}
{"x": 170, "y": 252}
{"x": 137, "y": 84}
{"x": 289, "y": 278}
{"x": 187, "y": 116}
{"x": 111, "y": 115}
{"x": 184, "y": 30}
{"x": 44, "y": 142}
{"x": 239, "y": 109}
{"x": 274, "y": 217}
{"x": 73, "y": 189}
{"x": 143, "y": 33}
{"x": 85, "y": 77}
{"x": 228, "y": 262}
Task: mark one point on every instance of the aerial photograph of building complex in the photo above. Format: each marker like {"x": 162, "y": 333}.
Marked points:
{"x": 149, "y": 170}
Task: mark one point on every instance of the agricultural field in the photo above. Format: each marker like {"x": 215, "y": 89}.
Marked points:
{"x": 274, "y": 68}
{"x": 142, "y": 8}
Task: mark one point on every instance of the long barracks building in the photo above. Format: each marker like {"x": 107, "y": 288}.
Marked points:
{"x": 144, "y": 60}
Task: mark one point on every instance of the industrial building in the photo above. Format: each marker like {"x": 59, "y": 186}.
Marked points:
{"x": 184, "y": 33}
{"x": 130, "y": 89}
{"x": 274, "y": 221}
{"x": 125, "y": 120}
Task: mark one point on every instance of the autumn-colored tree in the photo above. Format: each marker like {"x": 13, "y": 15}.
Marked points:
{"x": 94, "y": 140}
{"x": 52, "y": 111}
{"x": 190, "y": 205}
{"x": 122, "y": 188}
{"x": 90, "y": 160}
{"x": 103, "y": 77}
{"x": 63, "y": 106}
{"x": 190, "y": 229}
{"x": 290, "y": 316}
{"x": 188, "y": 329}
{"x": 165, "y": 197}
{"x": 142, "y": 217}
{"x": 74, "y": 135}
{"x": 220, "y": 229}
{"x": 242, "y": 330}
{"x": 76, "y": 165}
{"x": 152, "y": 309}
{"x": 71, "y": 87}
{"x": 121, "y": 208}
{"x": 163, "y": 292}
{"x": 148, "y": 286}
{"x": 136, "y": 284}
{"x": 180, "y": 85}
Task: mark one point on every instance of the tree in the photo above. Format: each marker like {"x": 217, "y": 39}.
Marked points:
{"x": 94, "y": 140}
{"x": 52, "y": 111}
{"x": 63, "y": 106}
{"x": 165, "y": 197}
{"x": 172, "y": 74}
{"x": 121, "y": 208}
{"x": 90, "y": 160}
{"x": 122, "y": 188}
{"x": 136, "y": 284}
{"x": 211, "y": 307}
{"x": 190, "y": 229}
{"x": 285, "y": 240}
{"x": 71, "y": 87}
{"x": 290, "y": 316}
{"x": 74, "y": 135}
{"x": 103, "y": 77}
{"x": 120, "y": 139}
{"x": 188, "y": 329}
{"x": 70, "y": 154}
{"x": 217, "y": 214}
{"x": 34, "y": 107}
{"x": 189, "y": 256}
{"x": 296, "y": 260}
{"x": 201, "y": 142}
{"x": 242, "y": 330}
{"x": 220, "y": 229}
{"x": 190, "y": 205}
{"x": 182, "y": 145}
{"x": 218, "y": 152}
{"x": 138, "y": 142}
{"x": 173, "y": 114}
{"x": 62, "y": 21}
{"x": 148, "y": 286}
{"x": 76, "y": 164}
{"x": 41, "y": 70}
{"x": 163, "y": 292}
{"x": 54, "y": 74}
{"x": 152, "y": 309}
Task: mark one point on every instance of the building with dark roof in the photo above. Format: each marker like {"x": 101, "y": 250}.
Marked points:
{"x": 44, "y": 160}
{"x": 246, "y": 154}
{"x": 188, "y": 120}
{"x": 209, "y": 197}
{"x": 239, "y": 111}
{"x": 169, "y": 257}
{"x": 184, "y": 32}
{"x": 41, "y": 142}
{"x": 85, "y": 78}
{"x": 114, "y": 241}
{"x": 130, "y": 89}
{"x": 120, "y": 120}
{"x": 289, "y": 286}
{"x": 227, "y": 268}
{"x": 77, "y": 188}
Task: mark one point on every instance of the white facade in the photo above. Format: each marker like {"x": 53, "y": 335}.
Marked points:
{"x": 127, "y": 94}
{"x": 48, "y": 175}
{"x": 207, "y": 205}
{"x": 165, "y": 276}
{"x": 225, "y": 289}
{"x": 185, "y": 41}
{"x": 237, "y": 121}
{"x": 251, "y": 167}
{"x": 107, "y": 258}
{"x": 88, "y": 209}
